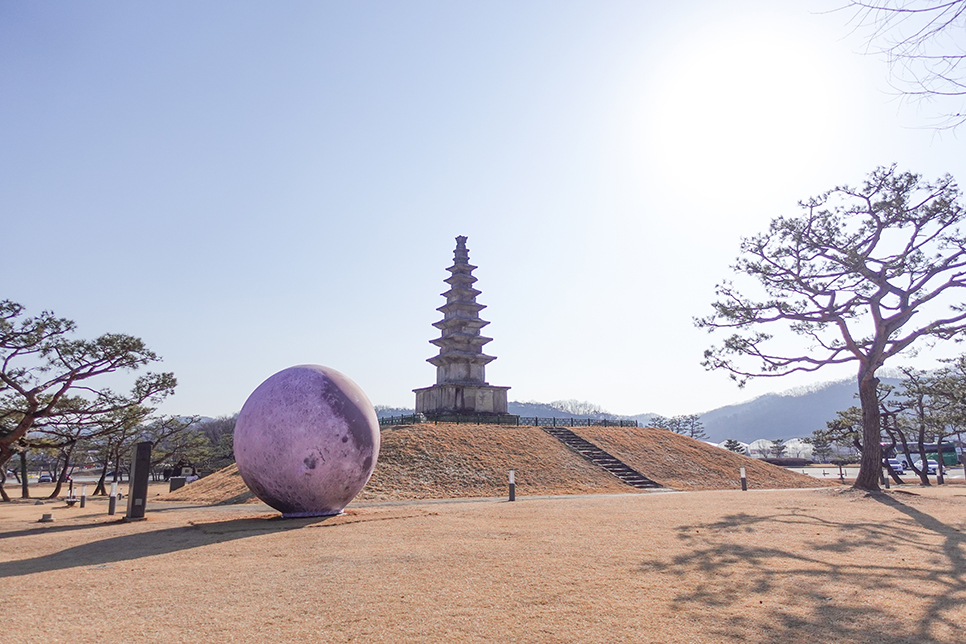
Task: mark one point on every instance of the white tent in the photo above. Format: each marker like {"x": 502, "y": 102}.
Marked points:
{"x": 794, "y": 448}
{"x": 797, "y": 448}
{"x": 760, "y": 448}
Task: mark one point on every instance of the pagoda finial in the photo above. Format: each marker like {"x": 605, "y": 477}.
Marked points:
{"x": 461, "y": 255}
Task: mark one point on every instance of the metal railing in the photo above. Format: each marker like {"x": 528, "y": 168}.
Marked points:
{"x": 410, "y": 419}
{"x": 576, "y": 422}
{"x": 504, "y": 419}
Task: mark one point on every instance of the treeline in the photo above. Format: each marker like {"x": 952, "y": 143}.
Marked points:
{"x": 201, "y": 445}
{"x": 687, "y": 424}
{"x": 55, "y": 409}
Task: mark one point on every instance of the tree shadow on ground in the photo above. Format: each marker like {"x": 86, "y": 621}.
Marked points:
{"x": 733, "y": 570}
{"x": 151, "y": 543}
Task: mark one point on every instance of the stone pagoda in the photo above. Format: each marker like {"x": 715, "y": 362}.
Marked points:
{"x": 461, "y": 387}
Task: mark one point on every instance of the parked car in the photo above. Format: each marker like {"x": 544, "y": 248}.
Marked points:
{"x": 897, "y": 466}
{"x": 930, "y": 464}
{"x": 45, "y": 478}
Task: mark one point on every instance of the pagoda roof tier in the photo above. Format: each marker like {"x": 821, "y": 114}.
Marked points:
{"x": 457, "y": 301}
{"x": 461, "y": 327}
{"x": 462, "y": 267}
{"x": 454, "y": 340}
{"x": 460, "y": 278}
{"x": 464, "y": 293}
{"x": 460, "y": 342}
{"x": 460, "y": 321}
{"x": 460, "y": 357}
{"x": 466, "y": 306}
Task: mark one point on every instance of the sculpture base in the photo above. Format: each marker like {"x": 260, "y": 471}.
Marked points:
{"x": 461, "y": 399}
{"x": 309, "y": 515}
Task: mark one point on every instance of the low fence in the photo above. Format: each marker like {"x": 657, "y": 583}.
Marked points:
{"x": 504, "y": 419}
{"x": 411, "y": 419}
{"x": 576, "y": 422}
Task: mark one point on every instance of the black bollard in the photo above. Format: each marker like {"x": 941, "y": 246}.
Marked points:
{"x": 83, "y": 496}
{"x": 744, "y": 481}
{"x": 112, "y": 501}
{"x": 513, "y": 486}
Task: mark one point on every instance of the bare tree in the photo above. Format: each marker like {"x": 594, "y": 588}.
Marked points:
{"x": 688, "y": 425}
{"x": 778, "y": 447}
{"x": 221, "y": 434}
{"x": 578, "y": 407}
{"x": 844, "y": 431}
{"x": 734, "y": 446}
{"x": 924, "y": 42}
{"x": 862, "y": 274}
{"x": 952, "y": 387}
{"x": 176, "y": 439}
{"x": 821, "y": 446}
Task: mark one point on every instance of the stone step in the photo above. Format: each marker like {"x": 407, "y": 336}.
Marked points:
{"x": 601, "y": 458}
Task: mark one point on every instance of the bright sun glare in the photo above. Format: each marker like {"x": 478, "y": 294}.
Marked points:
{"x": 734, "y": 103}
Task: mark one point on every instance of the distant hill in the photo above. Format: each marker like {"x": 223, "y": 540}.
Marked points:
{"x": 791, "y": 414}
{"x": 552, "y": 410}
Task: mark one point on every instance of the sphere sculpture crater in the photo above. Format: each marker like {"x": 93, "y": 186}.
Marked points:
{"x": 306, "y": 441}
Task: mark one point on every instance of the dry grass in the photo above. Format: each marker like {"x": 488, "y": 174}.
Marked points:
{"x": 682, "y": 463}
{"x": 449, "y": 461}
{"x": 764, "y": 567}
{"x": 430, "y": 461}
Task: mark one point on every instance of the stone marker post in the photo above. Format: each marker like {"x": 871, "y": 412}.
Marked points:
{"x": 137, "y": 495}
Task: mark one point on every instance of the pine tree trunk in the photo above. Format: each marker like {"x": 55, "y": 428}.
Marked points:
{"x": 62, "y": 475}
{"x": 871, "y": 465}
{"x": 24, "y": 490}
{"x": 100, "y": 490}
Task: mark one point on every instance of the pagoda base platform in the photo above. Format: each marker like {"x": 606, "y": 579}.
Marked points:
{"x": 452, "y": 399}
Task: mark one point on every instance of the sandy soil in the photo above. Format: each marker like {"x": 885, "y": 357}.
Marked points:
{"x": 827, "y": 565}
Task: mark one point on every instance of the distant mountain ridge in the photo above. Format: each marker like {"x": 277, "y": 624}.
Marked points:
{"x": 791, "y": 414}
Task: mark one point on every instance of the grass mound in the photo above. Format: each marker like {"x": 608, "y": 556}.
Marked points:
{"x": 223, "y": 487}
{"x": 430, "y": 461}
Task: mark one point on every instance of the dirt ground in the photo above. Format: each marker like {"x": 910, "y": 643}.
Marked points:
{"x": 825, "y": 565}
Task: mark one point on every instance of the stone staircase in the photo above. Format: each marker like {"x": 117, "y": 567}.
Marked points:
{"x": 599, "y": 457}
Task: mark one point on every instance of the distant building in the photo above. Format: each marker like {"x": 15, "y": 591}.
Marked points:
{"x": 461, "y": 386}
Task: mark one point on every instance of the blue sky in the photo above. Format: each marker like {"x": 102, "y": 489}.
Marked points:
{"x": 252, "y": 185}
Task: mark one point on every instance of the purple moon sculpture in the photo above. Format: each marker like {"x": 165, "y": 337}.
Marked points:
{"x": 306, "y": 441}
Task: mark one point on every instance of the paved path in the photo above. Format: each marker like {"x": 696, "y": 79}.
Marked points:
{"x": 832, "y": 472}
